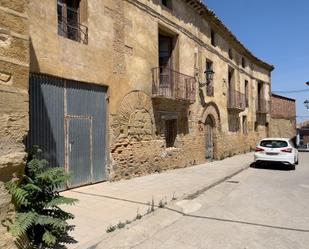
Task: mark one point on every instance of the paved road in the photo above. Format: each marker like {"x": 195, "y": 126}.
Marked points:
{"x": 259, "y": 208}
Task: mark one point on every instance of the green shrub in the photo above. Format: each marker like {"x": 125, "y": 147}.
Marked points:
{"x": 37, "y": 201}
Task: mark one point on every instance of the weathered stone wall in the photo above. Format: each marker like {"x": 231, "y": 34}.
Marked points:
{"x": 280, "y": 127}
{"x": 14, "y": 67}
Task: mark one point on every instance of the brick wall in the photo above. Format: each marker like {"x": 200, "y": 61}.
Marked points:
{"x": 282, "y": 107}
{"x": 283, "y": 117}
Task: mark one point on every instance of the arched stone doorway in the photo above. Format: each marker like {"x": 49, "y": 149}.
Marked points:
{"x": 210, "y": 137}
{"x": 210, "y": 117}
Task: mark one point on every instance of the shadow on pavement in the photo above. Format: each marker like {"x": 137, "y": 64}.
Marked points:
{"x": 272, "y": 166}
{"x": 200, "y": 216}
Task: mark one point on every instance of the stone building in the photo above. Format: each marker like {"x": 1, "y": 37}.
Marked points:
{"x": 14, "y": 74}
{"x": 283, "y": 117}
{"x": 117, "y": 87}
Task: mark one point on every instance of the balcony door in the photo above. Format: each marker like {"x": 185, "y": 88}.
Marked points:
{"x": 68, "y": 19}
{"x": 166, "y": 64}
{"x": 259, "y": 96}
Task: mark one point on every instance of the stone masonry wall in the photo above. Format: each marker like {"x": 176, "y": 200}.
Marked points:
{"x": 14, "y": 68}
{"x": 138, "y": 144}
{"x": 280, "y": 127}
{"x": 283, "y": 117}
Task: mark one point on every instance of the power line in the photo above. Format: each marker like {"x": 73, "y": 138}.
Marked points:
{"x": 294, "y": 91}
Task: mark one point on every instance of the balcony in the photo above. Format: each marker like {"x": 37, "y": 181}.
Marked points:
{"x": 262, "y": 106}
{"x": 73, "y": 31}
{"x": 170, "y": 84}
{"x": 236, "y": 101}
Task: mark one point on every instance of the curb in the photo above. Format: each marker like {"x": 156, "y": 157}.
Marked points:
{"x": 201, "y": 191}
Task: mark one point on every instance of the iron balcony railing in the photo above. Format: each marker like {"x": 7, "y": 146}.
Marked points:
{"x": 236, "y": 101}
{"x": 262, "y": 106}
{"x": 167, "y": 83}
{"x": 76, "y": 32}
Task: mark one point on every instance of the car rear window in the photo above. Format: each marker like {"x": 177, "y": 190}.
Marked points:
{"x": 274, "y": 144}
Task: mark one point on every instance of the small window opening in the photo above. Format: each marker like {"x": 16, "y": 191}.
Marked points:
{"x": 213, "y": 37}
{"x": 247, "y": 93}
{"x": 256, "y": 126}
{"x": 167, "y": 3}
{"x": 243, "y": 62}
{"x": 244, "y": 125}
{"x": 231, "y": 79}
{"x": 170, "y": 132}
{"x": 69, "y": 26}
{"x": 231, "y": 54}
{"x": 209, "y": 86}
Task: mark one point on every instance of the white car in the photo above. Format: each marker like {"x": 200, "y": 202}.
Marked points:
{"x": 276, "y": 150}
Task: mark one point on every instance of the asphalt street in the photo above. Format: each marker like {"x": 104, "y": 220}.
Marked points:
{"x": 266, "y": 207}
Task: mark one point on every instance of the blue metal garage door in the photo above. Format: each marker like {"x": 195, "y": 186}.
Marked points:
{"x": 68, "y": 122}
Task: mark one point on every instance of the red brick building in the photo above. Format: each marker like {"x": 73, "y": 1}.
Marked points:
{"x": 283, "y": 117}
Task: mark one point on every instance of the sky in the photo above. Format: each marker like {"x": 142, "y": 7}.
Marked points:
{"x": 277, "y": 32}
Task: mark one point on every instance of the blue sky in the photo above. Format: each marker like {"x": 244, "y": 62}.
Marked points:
{"x": 276, "y": 32}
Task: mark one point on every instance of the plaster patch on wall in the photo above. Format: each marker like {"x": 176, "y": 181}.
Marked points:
{"x": 120, "y": 25}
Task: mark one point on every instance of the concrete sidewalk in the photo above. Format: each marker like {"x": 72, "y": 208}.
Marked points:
{"x": 108, "y": 203}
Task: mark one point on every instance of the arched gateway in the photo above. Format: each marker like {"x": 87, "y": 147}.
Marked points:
{"x": 211, "y": 120}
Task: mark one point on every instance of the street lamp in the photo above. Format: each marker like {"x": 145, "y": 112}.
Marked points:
{"x": 306, "y": 103}
{"x": 209, "y": 73}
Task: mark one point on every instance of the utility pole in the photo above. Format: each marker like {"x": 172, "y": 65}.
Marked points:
{"x": 306, "y": 102}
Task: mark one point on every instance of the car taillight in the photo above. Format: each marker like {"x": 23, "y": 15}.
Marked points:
{"x": 258, "y": 149}
{"x": 287, "y": 150}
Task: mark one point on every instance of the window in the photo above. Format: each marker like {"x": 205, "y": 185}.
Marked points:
{"x": 233, "y": 123}
{"x": 213, "y": 37}
{"x": 209, "y": 86}
{"x": 165, "y": 60}
{"x": 231, "y": 79}
{"x": 256, "y": 126}
{"x": 170, "y": 132}
{"x": 274, "y": 143}
{"x": 167, "y": 3}
{"x": 69, "y": 25}
{"x": 230, "y": 54}
{"x": 244, "y": 125}
{"x": 247, "y": 93}
{"x": 243, "y": 62}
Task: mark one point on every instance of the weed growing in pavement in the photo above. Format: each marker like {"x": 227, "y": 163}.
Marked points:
{"x": 111, "y": 229}
{"x": 161, "y": 204}
{"x": 121, "y": 225}
{"x": 138, "y": 216}
{"x": 152, "y": 205}
{"x": 151, "y": 208}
